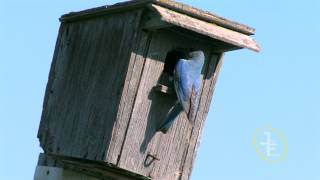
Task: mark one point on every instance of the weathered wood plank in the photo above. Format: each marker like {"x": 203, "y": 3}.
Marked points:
{"x": 104, "y": 10}
{"x": 137, "y": 61}
{"x": 208, "y": 29}
{"x": 175, "y": 6}
{"x": 83, "y": 167}
{"x": 152, "y": 21}
{"x": 205, "y": 16}
{"x": 89, "y": 74}
{"x": 54, "y": 173}
{"x": 142, "y": 142}
{"x": 207, "y": 94}
{"x": 43, "y": 126}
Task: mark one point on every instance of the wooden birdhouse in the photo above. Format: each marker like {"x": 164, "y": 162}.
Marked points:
{"x": 109, "y": 89}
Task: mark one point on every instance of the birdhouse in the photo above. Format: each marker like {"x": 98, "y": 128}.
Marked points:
{"x": 109, "y": 86}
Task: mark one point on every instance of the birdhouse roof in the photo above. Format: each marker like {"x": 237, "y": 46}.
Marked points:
{"x": 173, "y": 13}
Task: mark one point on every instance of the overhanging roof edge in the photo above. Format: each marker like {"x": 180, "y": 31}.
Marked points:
{"x": 169, "y": 4}
{"x": 208, "y": 29}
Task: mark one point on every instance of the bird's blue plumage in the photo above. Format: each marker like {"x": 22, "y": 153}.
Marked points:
{"x": 171, "y": 116}
{"x": 187, "y": 83}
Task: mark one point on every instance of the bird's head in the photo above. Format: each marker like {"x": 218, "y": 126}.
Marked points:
{"x": 196, "y": 55}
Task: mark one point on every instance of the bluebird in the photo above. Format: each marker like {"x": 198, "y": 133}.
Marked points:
{"x": 187, "y": 84}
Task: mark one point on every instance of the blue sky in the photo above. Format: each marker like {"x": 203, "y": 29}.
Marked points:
{"x": 278, "y": 87}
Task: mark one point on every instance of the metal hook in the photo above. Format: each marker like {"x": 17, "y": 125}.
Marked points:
{"x": 150, "y": 158}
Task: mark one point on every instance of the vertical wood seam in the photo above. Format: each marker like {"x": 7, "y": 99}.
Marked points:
{"x": 137, "y": 38}
{"x": 135, "y": 97}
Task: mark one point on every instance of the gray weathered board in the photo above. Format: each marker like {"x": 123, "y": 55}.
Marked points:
{"x": 85, "y": 85}
{"x": 101, "y": 103}
{"x": 149, "y": 111}
{"x": 79, "y": 167}
{"x": 55, "y": 173}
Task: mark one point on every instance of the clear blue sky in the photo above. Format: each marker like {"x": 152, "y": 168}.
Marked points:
{"x": 279, "y": 87}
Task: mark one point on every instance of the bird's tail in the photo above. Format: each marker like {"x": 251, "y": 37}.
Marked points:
{"x": 171, "y": 116}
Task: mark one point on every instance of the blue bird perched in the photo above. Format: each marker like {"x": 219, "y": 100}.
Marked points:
{"x": 187, "y": 84}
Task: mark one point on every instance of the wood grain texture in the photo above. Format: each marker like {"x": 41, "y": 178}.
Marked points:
{"x": 86, "y": 83}
{"x": 130, "y": 88}
{"x": 205, "y": 16}
{"x": 54, "y": 173}
{"x": 84, "y": 168}
{"x": 169, "y": 4}
{"x": 146, "y": 151}
{"x": 43, "y": 127}
{"x": 207, "y": 29}
{"x": 104, "y": 10}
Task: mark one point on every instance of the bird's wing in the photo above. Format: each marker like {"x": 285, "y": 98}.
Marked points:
{"x": 183, "y": 84}
{"x": 193, "y": 104}
{"x": 171, "y": 117}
